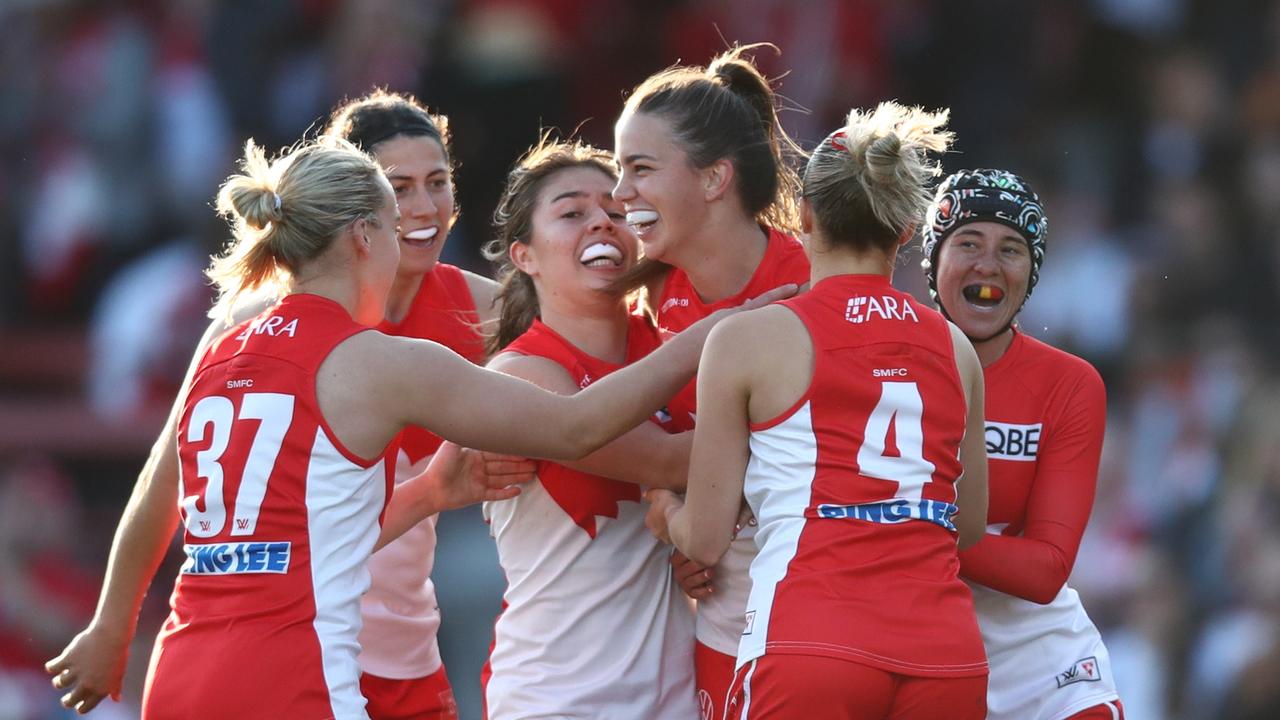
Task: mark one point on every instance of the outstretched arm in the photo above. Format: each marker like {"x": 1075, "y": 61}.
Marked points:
{"x": 645, "y": 455}
{"x": 486, "y": 410}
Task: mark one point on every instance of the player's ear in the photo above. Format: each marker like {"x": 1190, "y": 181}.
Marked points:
{"x": 523, "y": 257}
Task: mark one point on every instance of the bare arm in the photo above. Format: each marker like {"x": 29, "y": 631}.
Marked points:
{"x": 704, "y": 526}
{"x": 454, "y": 478}
{"x": 487, "y": 410}
{"x": 971, "y": 486}
{"x": 92, "y": 665}
{"x": 645, "y": 455}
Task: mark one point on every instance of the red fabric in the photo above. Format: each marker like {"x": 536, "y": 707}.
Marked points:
{"x": 427, "y": 698}
{"x": 443, "y": 311}
{"x": 580, "y": 495}
{"x": 883, "y": 592}
{"x": 714, "y": 677}
{"x": 1042, "y": 496}
{"x": 679, "y": 306}
{"x": 783, "y": 687}
{"x": 1106, "y": 711}
{"x": 221, "y": 651}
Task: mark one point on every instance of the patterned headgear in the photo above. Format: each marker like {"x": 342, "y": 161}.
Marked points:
{"x": 993, "y": 195}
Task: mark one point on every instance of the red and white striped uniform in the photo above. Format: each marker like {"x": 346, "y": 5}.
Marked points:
{"x": 593, "y": 625}
{"x": 854, "y": 487}
{"x": 279, "y": 520}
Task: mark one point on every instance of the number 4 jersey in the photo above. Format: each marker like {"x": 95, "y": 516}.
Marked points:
{"x": 279, "y": 520}
{"x": 854, "y": 491}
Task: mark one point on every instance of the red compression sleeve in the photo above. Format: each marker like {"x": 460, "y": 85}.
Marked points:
{"x": 1035, "y": 565}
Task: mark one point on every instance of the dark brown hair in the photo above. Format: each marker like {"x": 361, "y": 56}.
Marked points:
{"x": 727, "y": 110}
{"x": 382, "y": 115}
{"x": 513, "y": 223}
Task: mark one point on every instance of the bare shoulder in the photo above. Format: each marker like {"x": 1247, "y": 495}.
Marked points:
{"x": 484, "y": 293}
{"x": 543, "y": 372}
{"x": 765, "y": 329}
{"x": 967, "y": 361}
{"x": 764, "y": 341}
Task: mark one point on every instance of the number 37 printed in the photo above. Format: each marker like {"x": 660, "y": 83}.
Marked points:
{"x": 214, "y": 417}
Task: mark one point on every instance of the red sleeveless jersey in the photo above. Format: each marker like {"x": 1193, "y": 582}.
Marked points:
{"x": 581, "y": 495}
{"x": 854, "y": 490}
{"x": 784, "y": 262}
{"x": 443, "y": 311}
{"x": 279, "y": 520}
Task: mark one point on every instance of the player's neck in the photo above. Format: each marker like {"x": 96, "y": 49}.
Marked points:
{"x": 989, "y": 351}
{"x": 403, "y": 290}
{"x": 598, "y": 330}
{"x": 724, "y": 257}
{"x": 829, "y": 260}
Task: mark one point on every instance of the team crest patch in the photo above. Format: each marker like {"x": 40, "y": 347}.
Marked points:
{"x": 1084, "y": 670}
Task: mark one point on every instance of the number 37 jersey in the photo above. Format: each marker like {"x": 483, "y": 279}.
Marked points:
{"x": 279, "y": 520}
{"x": 854, "y": 491}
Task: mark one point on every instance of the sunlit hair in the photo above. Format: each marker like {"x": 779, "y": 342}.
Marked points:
{"x": 513, "y": 223}
{"x": 726, "y": 110}
{"x": 868, "y": 182}
{"x": 285, "y": 213}
{"x": 382, "y": 115}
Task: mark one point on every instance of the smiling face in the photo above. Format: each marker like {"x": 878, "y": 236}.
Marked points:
{"x": 419, "y": 173}
{"x": 663, "y": 194}
{"x": 983, "y": 271}
{"x": 580, "y": 242}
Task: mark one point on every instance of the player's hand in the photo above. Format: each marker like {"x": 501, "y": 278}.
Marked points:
{"x": 467, "y": 476}
{"x": 662, "y": 505}
{"x": 782, "y": 292}
{"x": 693, "y": 578}
{"x": 90, "y": 668}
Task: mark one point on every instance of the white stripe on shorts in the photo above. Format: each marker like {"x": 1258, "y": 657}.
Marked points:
{"x": 746, "y": 692}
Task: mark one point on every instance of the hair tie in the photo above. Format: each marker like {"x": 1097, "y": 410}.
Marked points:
{"x": 277, "y": 197}
{"x": 838, "y": 140}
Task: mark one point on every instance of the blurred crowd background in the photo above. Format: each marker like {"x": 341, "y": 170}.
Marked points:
{"x": 1150, "y": 127}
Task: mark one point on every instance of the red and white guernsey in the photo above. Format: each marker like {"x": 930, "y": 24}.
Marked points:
{"x": 1046, "y": 414}
{"x": 854, "y": 490}
{"x": 594, "y": 625}
{"x": 401, "y": 616}
{"x": 720, "y": 616}
{"x": 279, "y": 520}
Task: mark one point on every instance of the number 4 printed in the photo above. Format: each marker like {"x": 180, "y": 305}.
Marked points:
{"x": 215, "y": 414}
{"x": 900, "y": 409}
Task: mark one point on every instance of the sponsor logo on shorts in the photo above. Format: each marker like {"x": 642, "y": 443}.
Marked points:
{"x": 751, "y": 622}
{"x": 236, "y": 558}
{"x": 1006, "y": 441}
{"x": 706, "y": 706}
{"x": 1084, "y": 670}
